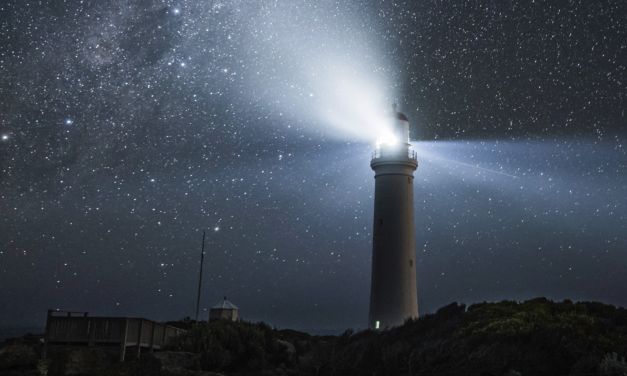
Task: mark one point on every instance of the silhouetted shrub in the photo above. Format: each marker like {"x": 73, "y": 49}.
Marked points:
{"x": 538, "y": 336}
{"x": 612, "y": 366}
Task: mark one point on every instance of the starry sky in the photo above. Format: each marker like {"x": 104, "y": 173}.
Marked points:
{"x": 127, "y": 127}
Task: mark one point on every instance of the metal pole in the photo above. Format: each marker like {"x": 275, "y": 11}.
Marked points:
{"x": 202, "y": 257}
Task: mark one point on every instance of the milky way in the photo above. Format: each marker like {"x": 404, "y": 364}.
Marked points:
{"x": 128, "y": 127}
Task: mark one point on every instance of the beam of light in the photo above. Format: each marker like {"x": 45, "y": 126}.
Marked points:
{"x": 311, "y": 72}
{"x": 476, "y": 166}
{"x": 354, "y": 104}
{"x": 467, "y": 151}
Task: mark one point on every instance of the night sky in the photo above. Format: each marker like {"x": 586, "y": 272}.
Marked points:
{"x": 129, "y": 126}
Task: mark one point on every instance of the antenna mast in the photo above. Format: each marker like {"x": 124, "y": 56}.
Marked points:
{"x": 202, "y": 257}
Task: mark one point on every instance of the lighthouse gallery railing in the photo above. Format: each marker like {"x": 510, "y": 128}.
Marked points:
{"x": 386, "y": 153}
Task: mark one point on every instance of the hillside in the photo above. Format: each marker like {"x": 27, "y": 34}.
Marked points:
{"x": 536, "y": 337}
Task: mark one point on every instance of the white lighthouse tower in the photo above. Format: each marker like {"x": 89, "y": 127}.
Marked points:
{"x": 393, "y": 296}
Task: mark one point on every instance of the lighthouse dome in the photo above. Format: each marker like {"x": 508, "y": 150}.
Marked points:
{"x": 397, "y": 115}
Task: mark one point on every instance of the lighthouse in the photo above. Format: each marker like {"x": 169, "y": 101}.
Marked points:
{"x": 393, "y": 296}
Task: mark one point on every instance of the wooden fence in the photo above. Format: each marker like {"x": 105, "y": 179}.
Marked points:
{"x": 106, "y": 331}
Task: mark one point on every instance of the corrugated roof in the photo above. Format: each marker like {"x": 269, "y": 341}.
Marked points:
{"x": 225, "y": 304}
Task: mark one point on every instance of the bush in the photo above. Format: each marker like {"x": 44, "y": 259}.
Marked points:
{"x": 17, "y": 356}
{"x": 538, "y": 336}
{"x": 226, "y": 345}
{"x": 611, "y": 366}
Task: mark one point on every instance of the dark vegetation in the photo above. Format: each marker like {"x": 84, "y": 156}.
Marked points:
{"x": 536, "y": 337}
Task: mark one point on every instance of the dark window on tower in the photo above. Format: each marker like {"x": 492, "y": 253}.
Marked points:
{"x": 381, "y": 222}
{"x": 411, "y": 262}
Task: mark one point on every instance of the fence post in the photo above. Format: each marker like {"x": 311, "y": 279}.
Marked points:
{"x": 139, "y": 337}
{"x": 91, "y": 324}
{"x": 44, "y": 353}
{"x": 152, "y": 337}
{"x": 124, "y": 337}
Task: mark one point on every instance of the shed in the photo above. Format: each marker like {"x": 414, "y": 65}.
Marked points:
{"x": 224, "y": 310}
{"x": 120, "y": 332}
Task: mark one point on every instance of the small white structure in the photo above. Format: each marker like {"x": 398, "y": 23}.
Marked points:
{"x": 224, "y": 310}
